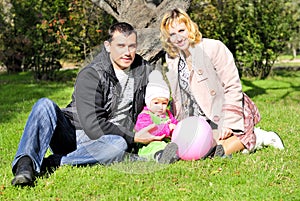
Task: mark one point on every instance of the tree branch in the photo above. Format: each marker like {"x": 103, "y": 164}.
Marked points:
{"x": 107, "y": 8}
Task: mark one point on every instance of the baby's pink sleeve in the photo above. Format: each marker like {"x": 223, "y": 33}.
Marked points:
{"x": 143, "y": 121}
{"x": 162, "y": 129}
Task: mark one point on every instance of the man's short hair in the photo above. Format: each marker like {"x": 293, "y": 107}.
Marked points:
{"x": 121, "y": 27}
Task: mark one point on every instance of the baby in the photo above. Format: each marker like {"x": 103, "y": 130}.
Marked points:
{"x": 156, "y": 112}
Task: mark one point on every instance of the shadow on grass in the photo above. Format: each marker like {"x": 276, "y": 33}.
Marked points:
{"x": 285, "y": 72}
{"x": 18, "y": 92}
{"x": 255, "y": 90}
{"x": 288, "y": 74}
{"x": 293, "y": 87}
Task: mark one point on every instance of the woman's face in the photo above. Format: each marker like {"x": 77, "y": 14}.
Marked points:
{"x": 179, "y": 35}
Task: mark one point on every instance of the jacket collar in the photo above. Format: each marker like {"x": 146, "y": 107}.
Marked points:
{"x": 103, "y": 62}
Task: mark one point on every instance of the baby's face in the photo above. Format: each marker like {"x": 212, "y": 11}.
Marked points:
{"x": 159, "y": 106}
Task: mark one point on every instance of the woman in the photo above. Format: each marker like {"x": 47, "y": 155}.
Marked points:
{"x": 204, "y": 81}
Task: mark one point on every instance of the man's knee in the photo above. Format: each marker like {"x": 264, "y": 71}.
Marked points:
{"x": 44, "y": 104}
{"x": 115, "y": 141}
{"x": 44, "y": 101}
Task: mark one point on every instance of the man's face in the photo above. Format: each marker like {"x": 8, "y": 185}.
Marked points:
{"x": 122, "y": 50}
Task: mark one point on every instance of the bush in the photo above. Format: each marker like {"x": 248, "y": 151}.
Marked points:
{"x": 36, "y": 34}
{"x": 255, "y": 31}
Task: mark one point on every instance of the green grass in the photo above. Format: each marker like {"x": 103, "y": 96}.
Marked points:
{"x": 288, "y": 61}
{"x": 268, "y": 174}
{"x": 288, "y": 57}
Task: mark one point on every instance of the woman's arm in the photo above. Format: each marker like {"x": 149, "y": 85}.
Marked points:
{"x": 227, "y": 72}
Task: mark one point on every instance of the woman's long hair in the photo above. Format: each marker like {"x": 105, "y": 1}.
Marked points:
{"x": 179, "y": 16}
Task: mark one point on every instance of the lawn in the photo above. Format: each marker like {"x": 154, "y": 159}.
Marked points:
{"x": 267, "y": 174}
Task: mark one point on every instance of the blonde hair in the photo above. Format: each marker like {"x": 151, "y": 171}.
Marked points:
{"x": 179, "y": 16}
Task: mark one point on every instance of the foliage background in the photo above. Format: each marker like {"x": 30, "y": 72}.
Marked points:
{"x": 255, "y": 31}
{"x": 38, "y": 35}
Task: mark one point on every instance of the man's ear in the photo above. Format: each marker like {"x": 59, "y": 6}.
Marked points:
{"x": 107, "y": 45}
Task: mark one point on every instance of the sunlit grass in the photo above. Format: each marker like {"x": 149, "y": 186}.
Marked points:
{"x": 268, "y": 174}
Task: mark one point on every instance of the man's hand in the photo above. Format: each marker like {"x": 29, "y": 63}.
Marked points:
{"x": 144, "y": 136}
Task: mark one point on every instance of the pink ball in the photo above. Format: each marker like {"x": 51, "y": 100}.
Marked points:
{"x": 194, "y": 138}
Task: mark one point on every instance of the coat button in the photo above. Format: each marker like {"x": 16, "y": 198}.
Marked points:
{"x": 216, "y": 119}
{"x": 200, "y": 72}
{"x": 213, "y": 92}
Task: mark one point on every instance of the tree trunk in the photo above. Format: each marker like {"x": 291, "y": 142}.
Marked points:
{"x": 145, "y": 16}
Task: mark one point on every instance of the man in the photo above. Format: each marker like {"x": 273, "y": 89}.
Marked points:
{"x": 96, "y": 127}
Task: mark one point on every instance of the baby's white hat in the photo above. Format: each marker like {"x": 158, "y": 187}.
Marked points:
{"x": 156, "y": 88}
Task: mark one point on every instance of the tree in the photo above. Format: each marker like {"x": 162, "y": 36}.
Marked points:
{"x": 255, "y": 31}
{"x": 14, "y": 46}
{"x": 30, "y": 42}
{"x": 293, "y": 8}
{"x": 262, "y": 36}
{"x": 85, "y": 29}
{"x": 37, "y": 34}
{"x": 145, "y": 16}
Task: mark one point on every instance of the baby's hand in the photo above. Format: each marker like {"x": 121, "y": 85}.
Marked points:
{"x": 172, "y": 126}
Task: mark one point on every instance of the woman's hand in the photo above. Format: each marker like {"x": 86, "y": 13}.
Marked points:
{"x": 225, "y": 133}
{"x": 143, "y": 136}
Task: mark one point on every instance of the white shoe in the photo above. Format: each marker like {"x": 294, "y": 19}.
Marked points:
{"x": 267, "y": 138}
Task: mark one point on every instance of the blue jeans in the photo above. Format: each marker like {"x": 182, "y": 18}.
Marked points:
{"x": 48, "y": 127}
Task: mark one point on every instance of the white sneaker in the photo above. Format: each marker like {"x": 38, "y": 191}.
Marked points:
{"x": 267, "y": 138}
